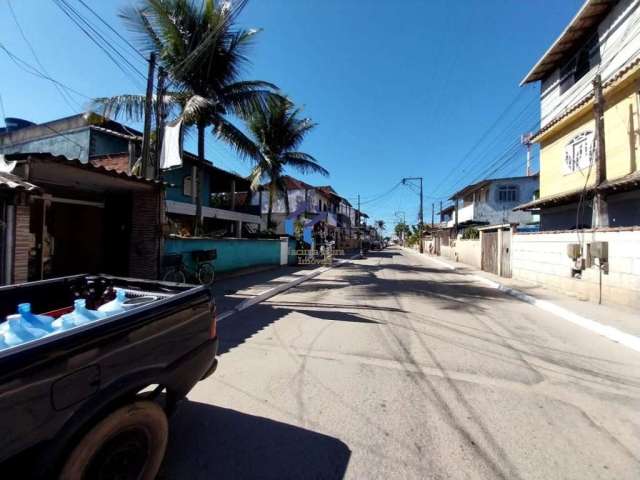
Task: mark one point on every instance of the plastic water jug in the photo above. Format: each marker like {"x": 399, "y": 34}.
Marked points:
{"x": 42, "y": 322}
{"x": 80, "y": 315}
{"x": 114, "y": 306}
{"x": 19, "y": 331}
{"x": 3, "y": 344}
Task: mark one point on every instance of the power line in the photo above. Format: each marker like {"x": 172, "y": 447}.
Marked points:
{"x": 65, "y": 96}
{"x": 28, "y": 68}
{"x": 482, "y": 137}
{"x": 108, "y": 25}
{"x": 101, "y": 42}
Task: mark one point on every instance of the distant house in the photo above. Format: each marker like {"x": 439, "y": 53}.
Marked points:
{"x": 330, "y": 215}
{"x": 491, "y": 202}
{"x": 603, "y": 38}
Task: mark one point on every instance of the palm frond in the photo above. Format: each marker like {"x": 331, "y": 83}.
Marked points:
{"x": 304, "y": 163}
{"x": 237, "y": 140}
{"x": 131, "y": 107}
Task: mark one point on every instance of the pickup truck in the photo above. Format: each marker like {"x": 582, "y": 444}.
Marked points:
{"x": 92, "y": 402}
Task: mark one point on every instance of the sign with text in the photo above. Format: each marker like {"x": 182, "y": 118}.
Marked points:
{"x": 316, "y": 257}
{"x": 578, "y": 153}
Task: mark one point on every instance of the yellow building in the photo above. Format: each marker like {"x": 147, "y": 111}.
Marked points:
{"x": 602, "y": 39}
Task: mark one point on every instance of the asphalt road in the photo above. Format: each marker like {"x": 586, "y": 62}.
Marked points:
{"x": 390, "y": 368}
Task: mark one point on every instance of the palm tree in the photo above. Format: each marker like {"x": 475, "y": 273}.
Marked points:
{"x": 203, "y": 52}
{"x": 278, "y": 131}
{"x": 380, "y": 225}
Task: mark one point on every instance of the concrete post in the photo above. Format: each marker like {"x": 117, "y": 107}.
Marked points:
{"x": 239, "y": 229}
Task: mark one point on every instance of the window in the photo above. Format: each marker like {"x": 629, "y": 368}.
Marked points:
{"x": 507, "y": 193}
{"x": 186, "y": 186}
{"x": 580, "y": 64}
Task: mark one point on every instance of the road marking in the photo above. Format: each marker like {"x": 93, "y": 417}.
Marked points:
{"x": 612, "y": 333}
{"x": 249, "y": 302}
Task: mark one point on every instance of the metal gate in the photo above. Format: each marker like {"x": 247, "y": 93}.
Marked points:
{"x": 489, "y": 257}
{"x": 505, "y": 258}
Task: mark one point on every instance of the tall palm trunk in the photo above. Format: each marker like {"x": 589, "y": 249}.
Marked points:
{"x": 286, "y": 201}
{"x": 197, "y": 224}
{"x": 271, "y": 193}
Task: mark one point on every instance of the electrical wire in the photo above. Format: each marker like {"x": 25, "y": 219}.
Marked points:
{"x": 108, "y": 25}
{"x": 65, "y": 96}
{"x": 28, "y": 68}
{"x": 101, "y": 42}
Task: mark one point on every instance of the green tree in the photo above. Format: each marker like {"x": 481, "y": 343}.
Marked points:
{"x": 278, "y": 132}
{"x": 402, "y": 230}
{"x": 203, "y": 51}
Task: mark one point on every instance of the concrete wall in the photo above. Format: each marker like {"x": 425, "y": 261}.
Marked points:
{"x": 465, "y": 251}
{"x": 233, "y": 253}
{"x": 541, "y": 258}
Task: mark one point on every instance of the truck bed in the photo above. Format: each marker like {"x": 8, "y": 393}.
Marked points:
{"x": 53, "y": 387}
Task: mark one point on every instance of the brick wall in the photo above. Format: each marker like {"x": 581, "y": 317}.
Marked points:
{"x": 22, "y": 245}
{"x": 146, "y": 234}
{"x": 542, "y": 258}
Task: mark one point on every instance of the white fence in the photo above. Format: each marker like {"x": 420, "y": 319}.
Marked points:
{"x": 542, "y": 258}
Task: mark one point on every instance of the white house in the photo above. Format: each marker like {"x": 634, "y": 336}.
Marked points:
{"x": 491, "y": 202}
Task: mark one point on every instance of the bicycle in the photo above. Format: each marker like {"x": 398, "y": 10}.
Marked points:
{"x": 176, "y": 271}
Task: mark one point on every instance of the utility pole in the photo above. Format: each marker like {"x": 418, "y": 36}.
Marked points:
{"x": 433, "y": 213}
{"x": 146, "y": 135}
{"x": 600, "y": 216}
{"x": 525, "y": 139}
{"x": 421, "y": 214}
{"x": 160, "y": 114}
{"x": 359, "y": 225}
{"x": 440, "y": 211}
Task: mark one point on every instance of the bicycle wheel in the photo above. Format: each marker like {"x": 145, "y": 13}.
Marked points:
{"x": 205, "y": 273}
{"x": 174, "y": 275}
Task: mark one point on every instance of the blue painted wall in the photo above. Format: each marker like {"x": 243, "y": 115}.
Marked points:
{"x": 71, "y": 145}
{"x": 176, "y": 177}
{"x": 233, "y": 253}
{"x": 105, "y": 144}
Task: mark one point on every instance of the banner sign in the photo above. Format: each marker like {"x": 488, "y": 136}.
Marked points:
{"x": 578, "y": 153}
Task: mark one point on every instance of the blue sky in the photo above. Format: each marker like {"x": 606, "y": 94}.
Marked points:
{"x": 398, "y": 88}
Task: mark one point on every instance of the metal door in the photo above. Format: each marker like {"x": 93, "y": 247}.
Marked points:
{"x": 489, "y": 255}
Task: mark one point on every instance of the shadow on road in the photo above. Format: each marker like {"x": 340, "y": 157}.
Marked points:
{"x": 212, "y": 442}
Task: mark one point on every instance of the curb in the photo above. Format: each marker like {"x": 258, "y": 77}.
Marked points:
{"x": 612, "y": 333}
{"x": 281, "y": 288}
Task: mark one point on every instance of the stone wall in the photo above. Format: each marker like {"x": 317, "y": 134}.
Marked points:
{"x": 542, "y": 258}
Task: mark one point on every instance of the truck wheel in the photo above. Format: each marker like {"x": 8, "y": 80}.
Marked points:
{"x": 128, "y": 444}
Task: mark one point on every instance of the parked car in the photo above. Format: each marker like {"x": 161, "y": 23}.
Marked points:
{"x": 92, "y": 401}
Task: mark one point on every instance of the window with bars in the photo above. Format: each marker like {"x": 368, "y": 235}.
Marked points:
{"x": 507, "y": 193}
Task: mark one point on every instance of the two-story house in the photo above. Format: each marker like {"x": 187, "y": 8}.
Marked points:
{"x": 491, "y": 202}
{"x": 90, "y": 138}
{"x": 327, "y": 213}
{"x": 603, "y": 39}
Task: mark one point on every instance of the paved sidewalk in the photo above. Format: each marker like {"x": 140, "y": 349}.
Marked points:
{"x": 230, "y": 292}
{"x": 617, "y": 316}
